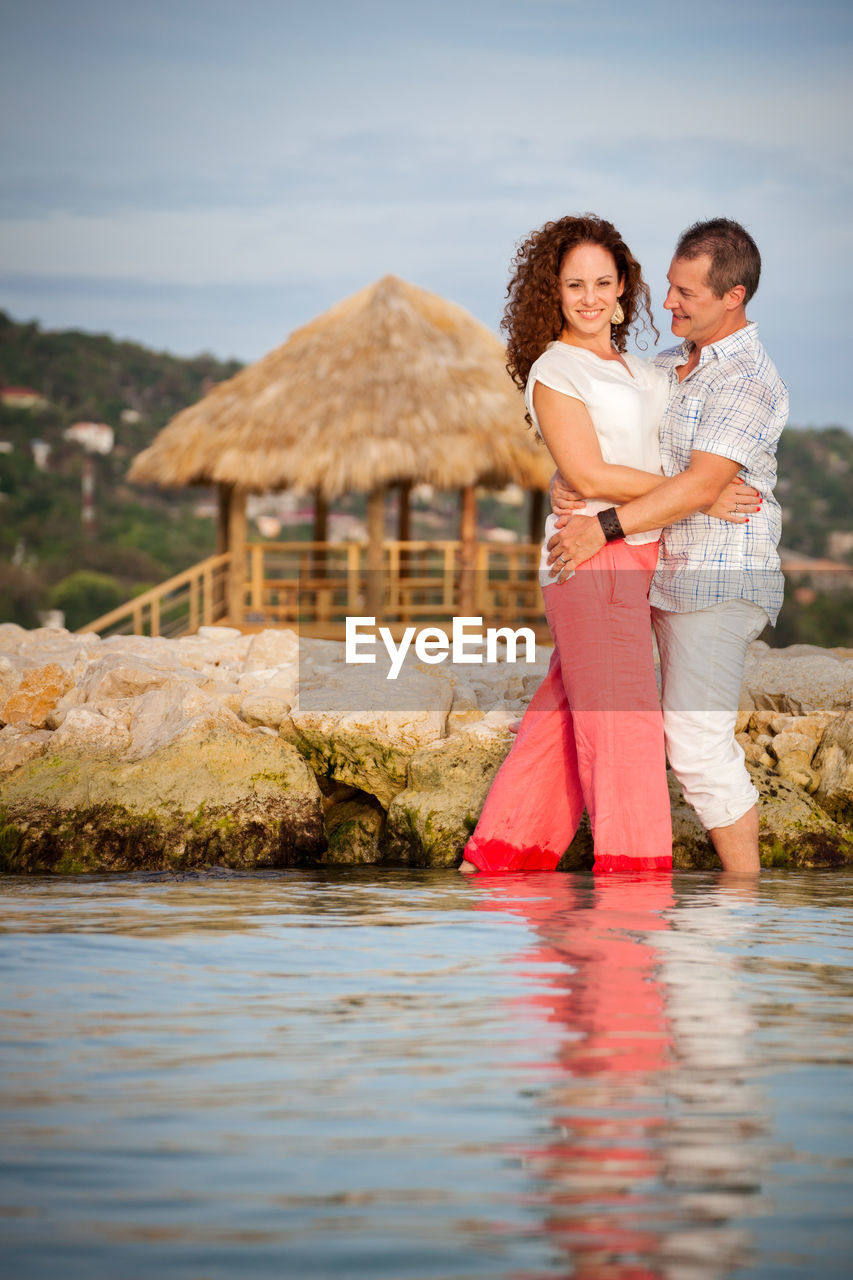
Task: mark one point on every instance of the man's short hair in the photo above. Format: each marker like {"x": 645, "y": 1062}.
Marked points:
{"x": 733, "y": 252}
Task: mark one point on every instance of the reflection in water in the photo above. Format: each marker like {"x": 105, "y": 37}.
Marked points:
{"x": 646, "y": 1093}
{"x": 379, "y": 1074}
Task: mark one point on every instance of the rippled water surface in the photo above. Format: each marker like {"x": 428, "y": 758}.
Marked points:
{"x": 402, "y": 1075}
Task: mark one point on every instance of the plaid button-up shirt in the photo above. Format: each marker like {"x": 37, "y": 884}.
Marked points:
{"x": 733, "y": 404}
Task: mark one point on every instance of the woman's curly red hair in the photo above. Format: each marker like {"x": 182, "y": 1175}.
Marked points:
{"x": 533, "y": 318}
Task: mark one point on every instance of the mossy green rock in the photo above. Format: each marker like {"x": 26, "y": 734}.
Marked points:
{"x": 240, "y": 801}
{"x": 447, "y": 784}
{"x": 793, "y": 831}
{"x": 363, "y": 731}
{"x": 354, "y": 757}
{"x": 353, "y": 828}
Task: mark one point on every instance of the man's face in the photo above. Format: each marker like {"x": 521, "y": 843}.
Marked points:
{"x": 697, "y": 313}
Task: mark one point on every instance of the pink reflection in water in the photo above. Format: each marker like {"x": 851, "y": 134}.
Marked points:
{"x": 595, "y": 971}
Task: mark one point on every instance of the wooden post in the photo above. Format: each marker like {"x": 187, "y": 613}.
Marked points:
{"x": 321, "y": 532}
{"x": 223, "y": 495}
{"x": 537, "y": 515}
{"x": 375, "y": 538}
{"x": 256, "y": 558}
{"x": 467, "y": 550}
{"x": 207, "y": 613}
{"x": 404, "y": 527}
{"x": 353, "y": 576}
{"x": 237, "y": 546}
{"x": 219, "y": 598}
{"x": 404, "y": 517}
{"x": 321, "y": 517}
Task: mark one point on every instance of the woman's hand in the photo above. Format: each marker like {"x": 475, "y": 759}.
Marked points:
{"x": 564, "y": 500}
{"x": 736, "y": 503}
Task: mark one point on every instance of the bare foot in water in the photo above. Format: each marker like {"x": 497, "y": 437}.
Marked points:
{"x": 467, "y": 868}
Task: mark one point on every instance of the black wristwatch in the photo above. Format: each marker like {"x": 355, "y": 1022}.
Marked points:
{"x": 609, "y": 522}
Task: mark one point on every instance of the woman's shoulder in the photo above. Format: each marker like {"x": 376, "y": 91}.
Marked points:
{"x": 556, "y": 355}
{"x": 557, "y": 368}
{"x": 558, "y": 360}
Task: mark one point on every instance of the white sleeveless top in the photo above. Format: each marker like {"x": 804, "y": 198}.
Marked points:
{"x": 626, "y": 411}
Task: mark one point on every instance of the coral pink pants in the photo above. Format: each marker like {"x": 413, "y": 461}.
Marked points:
{"x": 592, "y": 736}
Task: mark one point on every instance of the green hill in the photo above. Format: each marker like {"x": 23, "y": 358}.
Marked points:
{"x": 144, "y": 535}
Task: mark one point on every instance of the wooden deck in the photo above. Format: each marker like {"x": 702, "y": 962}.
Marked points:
{"x": 314, "y": 586}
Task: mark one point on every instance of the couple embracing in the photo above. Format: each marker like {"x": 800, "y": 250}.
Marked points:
{"x": 665, "y": 517}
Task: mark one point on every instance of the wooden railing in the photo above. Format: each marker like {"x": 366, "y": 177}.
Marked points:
{"x": 197, "y": 597}
{"x": 315, "y": 586}
{"x": 320, "y": 584}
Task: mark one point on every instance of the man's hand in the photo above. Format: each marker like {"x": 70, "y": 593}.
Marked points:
{"x": 564, "y": 499}
{"x": 578, "y": 540}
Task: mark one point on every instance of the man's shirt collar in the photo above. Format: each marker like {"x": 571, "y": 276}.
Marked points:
{"x": 741, "y": 340}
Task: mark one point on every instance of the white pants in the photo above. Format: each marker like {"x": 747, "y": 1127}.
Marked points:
{"x": 702, "y": 657}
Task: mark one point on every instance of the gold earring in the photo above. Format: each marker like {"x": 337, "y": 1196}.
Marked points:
{"x": 618, "y": 315}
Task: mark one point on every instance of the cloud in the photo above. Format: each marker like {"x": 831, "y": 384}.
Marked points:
{"x": 274, "y": 158}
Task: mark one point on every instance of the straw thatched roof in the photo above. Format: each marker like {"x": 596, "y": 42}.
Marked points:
{"x": 392, "y": 384}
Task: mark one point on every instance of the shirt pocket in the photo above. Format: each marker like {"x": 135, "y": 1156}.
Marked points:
{"x": 691, "y": 411}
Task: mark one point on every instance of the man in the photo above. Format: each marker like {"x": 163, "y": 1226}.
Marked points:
{"x": 717, "y": 584}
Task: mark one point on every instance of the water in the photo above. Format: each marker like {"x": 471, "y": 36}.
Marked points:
{"x": 406, "y": 1075}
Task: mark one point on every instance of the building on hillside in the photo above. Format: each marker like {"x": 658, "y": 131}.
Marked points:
{"x": 22, "y": 398}
{"x": 94, "y": 437}
{"x": 41, "y": 453}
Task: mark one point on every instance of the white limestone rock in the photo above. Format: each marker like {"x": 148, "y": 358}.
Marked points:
{"x": 11, "y": 674}
{"x": 217, "y": 634}
{"x": 87, "y": 730}
{"x": 745, "y": 710}
{"x": 282, "y": 682}
{"x": 12, "y": 637}
{"x": 796, "y": 767}
{"x": 791, "y": 742}
{"x": 800, "y": 684}
{"x": 165, "y": 714}
{"x": 465, "y": 708}
{"x": 271, "y": 649}
{"x": 834, "y": 763}
{"x": 122, "y": 676}
{"x": 264, "y": 708}
{"x": 19, "y": 744}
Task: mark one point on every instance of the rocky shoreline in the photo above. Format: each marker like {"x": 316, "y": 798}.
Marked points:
{"x": 264, "y": 750}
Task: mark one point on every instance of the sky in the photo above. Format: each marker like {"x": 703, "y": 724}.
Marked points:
{"x": 211, "y": 174}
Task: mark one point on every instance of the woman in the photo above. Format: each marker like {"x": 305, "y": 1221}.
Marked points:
{"x": 592, "y": 736}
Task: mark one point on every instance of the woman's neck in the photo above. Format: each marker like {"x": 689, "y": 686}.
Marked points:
{"x": 599, "y": 344}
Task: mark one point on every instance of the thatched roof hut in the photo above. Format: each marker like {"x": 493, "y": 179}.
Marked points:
{"x": 391, "y": 385}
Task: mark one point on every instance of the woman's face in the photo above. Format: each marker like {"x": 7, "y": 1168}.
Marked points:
{"x": 589, "y": 289}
